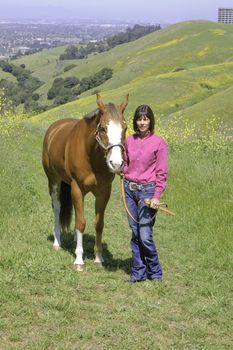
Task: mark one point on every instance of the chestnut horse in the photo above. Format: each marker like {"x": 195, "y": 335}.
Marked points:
{"x": 81, "y": 156}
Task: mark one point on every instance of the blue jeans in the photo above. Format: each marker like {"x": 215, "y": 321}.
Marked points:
{"x": 145, "y": 261}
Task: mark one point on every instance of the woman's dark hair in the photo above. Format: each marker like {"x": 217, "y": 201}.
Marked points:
{"x": 144, "y": 110}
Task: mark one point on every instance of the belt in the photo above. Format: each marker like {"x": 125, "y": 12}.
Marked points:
{"x": 135, "y": 186}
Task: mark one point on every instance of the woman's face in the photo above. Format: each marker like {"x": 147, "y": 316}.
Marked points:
{"x": 143, "y": 124}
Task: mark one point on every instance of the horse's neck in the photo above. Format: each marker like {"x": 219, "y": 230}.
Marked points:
{"x": 91, "y": 133}
{"x": 90, "y": 139}
{"x": 96, "y": 153}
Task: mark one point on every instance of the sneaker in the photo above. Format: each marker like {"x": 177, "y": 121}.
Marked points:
{"x": 133, "y": 279}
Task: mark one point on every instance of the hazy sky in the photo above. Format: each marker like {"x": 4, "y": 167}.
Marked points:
{"x": 157, "y": 11}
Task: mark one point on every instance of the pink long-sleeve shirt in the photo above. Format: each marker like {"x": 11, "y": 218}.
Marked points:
{"x": 146, "y": 161}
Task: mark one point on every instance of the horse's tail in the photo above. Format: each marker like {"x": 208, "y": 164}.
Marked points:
{"x": 66, "y": 206}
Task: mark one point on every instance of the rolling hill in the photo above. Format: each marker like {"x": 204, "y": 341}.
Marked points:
{"x": 186, "y": 68}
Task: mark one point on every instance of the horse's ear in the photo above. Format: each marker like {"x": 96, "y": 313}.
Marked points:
{"x": 124, "y": 104}
{"x": 100, "y": 103}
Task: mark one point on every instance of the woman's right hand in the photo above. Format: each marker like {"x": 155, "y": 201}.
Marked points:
{"x": 154, "y": 203}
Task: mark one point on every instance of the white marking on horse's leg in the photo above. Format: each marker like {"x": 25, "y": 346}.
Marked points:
{"x": 79, "y": 249}
{"x": 57, "y": 227}
{"x": 114, "y": 158}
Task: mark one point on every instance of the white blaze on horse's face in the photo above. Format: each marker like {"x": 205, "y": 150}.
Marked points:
{"x": 114, "y": 156}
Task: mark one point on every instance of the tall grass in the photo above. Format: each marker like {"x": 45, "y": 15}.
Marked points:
{"x": 44, "y": 304}
{"x": 181, "y": 134}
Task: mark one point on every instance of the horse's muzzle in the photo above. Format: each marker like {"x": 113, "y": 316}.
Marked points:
{"x": 115, "y": 167}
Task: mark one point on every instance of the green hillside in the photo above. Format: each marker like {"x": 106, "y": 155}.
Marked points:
{"x": 7, "y": 76}
{"x": 219, "y": 105}
{"x": 44, "y": 65}
{"x": 173, "y": 70}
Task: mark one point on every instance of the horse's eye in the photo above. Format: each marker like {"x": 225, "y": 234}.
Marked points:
{"x": 102, "y": 129}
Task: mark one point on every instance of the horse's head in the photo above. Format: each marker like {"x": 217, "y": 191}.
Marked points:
{"x": 111, "y": 132}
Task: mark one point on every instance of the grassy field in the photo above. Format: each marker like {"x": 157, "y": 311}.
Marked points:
{"x": 46, "y": 305}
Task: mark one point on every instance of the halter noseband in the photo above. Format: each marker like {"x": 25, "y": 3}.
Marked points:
{"x": 108, "y": 147}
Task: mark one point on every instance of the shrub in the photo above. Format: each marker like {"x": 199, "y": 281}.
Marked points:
{"x": 70, "y": 82}
{"x": 178, "y": 69}
{"x": 206, "y": 86}
{"x": 6, "y": 67}
{"x": 35, "y": 97}
{"x": 69, "y": 67}
{"x": 59, "y": 100}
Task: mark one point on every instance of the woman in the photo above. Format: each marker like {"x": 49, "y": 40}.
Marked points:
{"x": 145, "y": 174}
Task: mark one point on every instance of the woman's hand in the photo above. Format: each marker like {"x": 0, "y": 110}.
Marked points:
{"x": 154, "y": 203}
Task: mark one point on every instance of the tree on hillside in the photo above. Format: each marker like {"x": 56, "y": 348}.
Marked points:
{"x": 70, "y": 82}
{"x": 72, "y": 52}
{"x": 6, "y": 67}
{"x": 64, "y": 90}
{"x": 131, "y": 34}
{"x": 55, "y": 89}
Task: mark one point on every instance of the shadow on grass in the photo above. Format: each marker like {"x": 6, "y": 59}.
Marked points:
{"x": 110, "y": 263}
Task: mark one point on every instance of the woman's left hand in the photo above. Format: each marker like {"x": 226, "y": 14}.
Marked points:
{"x": 154, "y": 203}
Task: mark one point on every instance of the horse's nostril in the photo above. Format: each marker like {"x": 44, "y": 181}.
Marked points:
{"x": 116, "y": 165}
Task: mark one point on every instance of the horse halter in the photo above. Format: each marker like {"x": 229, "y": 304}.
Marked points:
{"x": 108, "y": 147}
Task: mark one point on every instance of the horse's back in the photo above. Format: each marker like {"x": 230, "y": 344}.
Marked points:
{"x": 55, "y": 141}
{"x": 58, "y": 133}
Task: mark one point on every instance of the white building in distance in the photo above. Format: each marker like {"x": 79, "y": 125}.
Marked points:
{"x": 225, "y": 15}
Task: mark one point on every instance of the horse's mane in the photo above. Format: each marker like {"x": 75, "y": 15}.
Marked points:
{"x": 95, "y": 113}
{"x": 113, "y": 110}
{"x": 92, "y": 114}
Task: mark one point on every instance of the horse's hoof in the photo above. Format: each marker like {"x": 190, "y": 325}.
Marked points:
{"x": 98, "y": 264}
{"x": 56, "y": 248}
{"x": 79, "y": 267}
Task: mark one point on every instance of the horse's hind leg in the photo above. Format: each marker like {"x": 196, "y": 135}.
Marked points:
{"x": 54, "y": 185}
{"x": 80, "y": 223}
{"x": 54, "y": 192}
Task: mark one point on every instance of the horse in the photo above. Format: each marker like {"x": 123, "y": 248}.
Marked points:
{"x": 81, "y": 156}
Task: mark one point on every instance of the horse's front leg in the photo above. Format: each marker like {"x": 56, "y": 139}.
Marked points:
{"x": 100, "y": 205}
{"x": 80, "y": 223}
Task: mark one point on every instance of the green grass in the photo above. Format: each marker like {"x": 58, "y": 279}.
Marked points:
{"x": 46, "y": 305}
